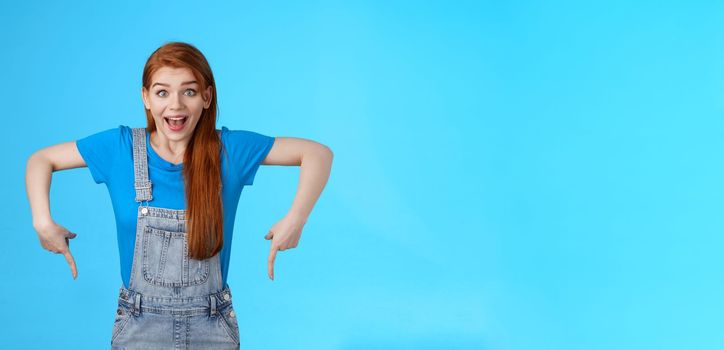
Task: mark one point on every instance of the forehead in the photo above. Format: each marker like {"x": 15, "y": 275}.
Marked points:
{"x": 172, "y": 76}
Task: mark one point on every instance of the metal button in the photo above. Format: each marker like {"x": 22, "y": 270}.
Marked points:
{"x": 226, "y": 297}
{"x": 120, "y": 311}
{"x": 231, "y": 313}
{"x": 144, "y": 211}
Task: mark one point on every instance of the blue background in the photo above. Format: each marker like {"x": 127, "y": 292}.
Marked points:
{"x": 507, "y": 175}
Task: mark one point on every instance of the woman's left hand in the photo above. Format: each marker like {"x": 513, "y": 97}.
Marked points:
{"x": 284, "y": 235}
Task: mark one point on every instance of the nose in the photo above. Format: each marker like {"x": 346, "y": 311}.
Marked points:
{"x": 175, "y": 102}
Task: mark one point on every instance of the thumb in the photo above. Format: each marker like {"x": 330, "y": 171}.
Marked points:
{"x": 269, "y": 235}
{"x": 71, "y": 235}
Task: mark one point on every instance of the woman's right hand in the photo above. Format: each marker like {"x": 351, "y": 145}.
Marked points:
{"x": 55, "y": 238}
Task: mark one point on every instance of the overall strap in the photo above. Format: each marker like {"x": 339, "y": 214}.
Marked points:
{"x": 140, "y": 165}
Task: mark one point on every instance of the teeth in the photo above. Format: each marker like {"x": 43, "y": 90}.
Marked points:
{"x": 176, "y": 121}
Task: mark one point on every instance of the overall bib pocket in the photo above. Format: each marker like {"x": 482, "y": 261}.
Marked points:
{"x": 166, "y": 261}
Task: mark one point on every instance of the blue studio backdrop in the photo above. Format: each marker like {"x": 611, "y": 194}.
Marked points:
{"x": 508, "y": 175}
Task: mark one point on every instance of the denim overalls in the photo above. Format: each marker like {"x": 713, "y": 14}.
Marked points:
{"x": 173, "y": 301}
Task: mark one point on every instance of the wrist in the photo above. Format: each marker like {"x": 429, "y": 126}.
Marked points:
{"x": 298, "y": 217}
{"x": 43, "y": 222}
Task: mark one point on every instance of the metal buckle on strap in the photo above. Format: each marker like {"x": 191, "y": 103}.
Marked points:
{"x": 144, "y": 208}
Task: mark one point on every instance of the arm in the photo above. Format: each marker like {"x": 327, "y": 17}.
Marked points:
{"x": 315, "y": 160}
{"x": 38, "y": 175}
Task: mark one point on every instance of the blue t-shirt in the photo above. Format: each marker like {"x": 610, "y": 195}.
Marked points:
{"x": 109, "y": 157}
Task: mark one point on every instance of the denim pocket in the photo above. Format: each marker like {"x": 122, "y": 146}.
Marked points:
{"x": 166, "y": 261}
{"x": 123, "y": 314}
{"x": 227, "y": 318}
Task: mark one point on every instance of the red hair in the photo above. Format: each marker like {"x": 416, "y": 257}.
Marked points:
{"x": 202, "y": 162}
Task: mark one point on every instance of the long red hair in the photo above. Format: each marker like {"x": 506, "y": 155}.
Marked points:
{"x": 202, "y": 162}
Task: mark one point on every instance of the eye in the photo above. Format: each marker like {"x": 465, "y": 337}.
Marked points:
{"x": 159, "y": 93}
{"x": 193, "y": 92}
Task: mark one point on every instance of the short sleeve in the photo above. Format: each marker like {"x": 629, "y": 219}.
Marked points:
{"x": 247, "y": 149}
{"x": 100, "y": 151}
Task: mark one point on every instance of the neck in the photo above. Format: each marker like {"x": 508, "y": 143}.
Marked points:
{"x": 165, "y": 146}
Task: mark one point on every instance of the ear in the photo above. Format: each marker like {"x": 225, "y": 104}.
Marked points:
{"x": 144, "y": 97}
{"x": 207, "y": 97}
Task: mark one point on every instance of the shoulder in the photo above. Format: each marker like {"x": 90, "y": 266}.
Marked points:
{"x": 241, "y": 137}
{"x": 105, "y": 136}
{"x": 118, "y": 138}
{"x": 239, "y": 132}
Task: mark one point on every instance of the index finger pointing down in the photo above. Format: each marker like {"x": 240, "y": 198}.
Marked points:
{"x": 71, "y": 262}
{"x": 272, "y": 256}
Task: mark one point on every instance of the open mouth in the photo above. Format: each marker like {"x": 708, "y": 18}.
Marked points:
{"x": 176, "y": 123}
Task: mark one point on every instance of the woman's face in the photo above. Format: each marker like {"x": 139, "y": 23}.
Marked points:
{"x": 175, "y": 102}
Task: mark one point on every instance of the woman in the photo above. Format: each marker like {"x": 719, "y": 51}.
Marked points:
{"x": 175, "y": 186}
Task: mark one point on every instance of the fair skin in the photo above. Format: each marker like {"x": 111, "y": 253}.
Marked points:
{"x": 174, "y": 92}
{"x": 314, "y": 159}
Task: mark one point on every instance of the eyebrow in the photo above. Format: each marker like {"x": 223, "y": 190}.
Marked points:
{"x": 184, "y": 83}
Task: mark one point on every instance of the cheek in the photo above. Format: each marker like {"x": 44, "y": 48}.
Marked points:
{"x": 157, "y": 114}
{"x": 196, "y": 108}
{"x": 158, "y": 106}
{"x": 198, "y": 103}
